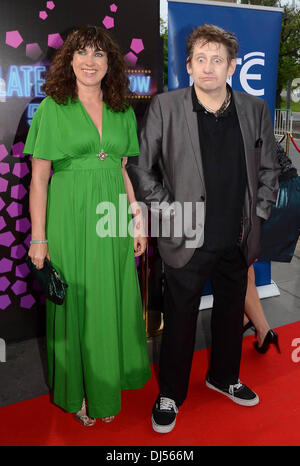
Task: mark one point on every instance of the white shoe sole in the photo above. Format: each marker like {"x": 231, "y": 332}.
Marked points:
{"x": 162, "y": 429}
{"x": 239, "y": 401}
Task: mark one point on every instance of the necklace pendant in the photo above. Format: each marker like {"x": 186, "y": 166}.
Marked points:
{"x": 102, "y": 155}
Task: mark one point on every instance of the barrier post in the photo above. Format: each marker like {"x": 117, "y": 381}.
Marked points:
{"x": 287, "y": 144}
{"x": 2, "y": 350}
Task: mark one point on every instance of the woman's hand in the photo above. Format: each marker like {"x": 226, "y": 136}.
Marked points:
{"x": 37, "y": 254}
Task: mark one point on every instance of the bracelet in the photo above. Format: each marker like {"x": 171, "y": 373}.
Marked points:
{"x": 35, "y": 241}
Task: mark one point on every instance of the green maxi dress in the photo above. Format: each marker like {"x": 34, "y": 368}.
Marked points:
{"x": 96, "y": 342}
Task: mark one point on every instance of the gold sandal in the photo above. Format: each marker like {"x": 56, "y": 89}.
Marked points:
{"x": 83, "y": 418}
{"x": 108, "y": 419}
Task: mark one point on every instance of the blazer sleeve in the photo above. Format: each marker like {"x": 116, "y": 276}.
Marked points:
{"x": 145, "y": 171}
{"x": 269, "y": 167}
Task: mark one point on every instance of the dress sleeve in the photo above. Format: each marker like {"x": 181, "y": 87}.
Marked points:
{"x": 133, "y": 147}
{"x": 42, "y": 138}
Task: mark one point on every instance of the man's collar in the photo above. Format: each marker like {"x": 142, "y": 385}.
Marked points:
{"x": 198, "y": 107}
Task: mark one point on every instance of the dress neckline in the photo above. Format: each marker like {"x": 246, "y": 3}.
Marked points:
{"x": 100, "y": 135}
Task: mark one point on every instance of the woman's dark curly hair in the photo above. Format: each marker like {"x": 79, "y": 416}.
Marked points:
{"x": 60, "y": 78}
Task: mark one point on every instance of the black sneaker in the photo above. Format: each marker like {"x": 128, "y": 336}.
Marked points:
{"x": 164, "y": 415}
{"x": 239, "y": 393}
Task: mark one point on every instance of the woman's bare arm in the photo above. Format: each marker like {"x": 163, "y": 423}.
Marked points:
{"x": 37, "y": 204}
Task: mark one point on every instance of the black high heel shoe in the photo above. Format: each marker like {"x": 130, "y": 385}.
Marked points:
{"x": 270, "y": 339}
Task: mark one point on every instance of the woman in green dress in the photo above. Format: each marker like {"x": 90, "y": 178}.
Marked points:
{"x": 84, "y": 130}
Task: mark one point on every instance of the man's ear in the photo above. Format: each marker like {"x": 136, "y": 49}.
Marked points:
{"x": 231, "y": 67}
{"x": 188, "y": 66}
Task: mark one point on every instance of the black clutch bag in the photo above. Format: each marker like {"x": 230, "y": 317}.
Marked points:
{"x": 50, "y": 281}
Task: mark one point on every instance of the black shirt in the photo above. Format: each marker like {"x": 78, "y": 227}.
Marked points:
{"x": 223, "y": 159}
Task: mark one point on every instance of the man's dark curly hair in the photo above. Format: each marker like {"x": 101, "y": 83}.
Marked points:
{"x": 60, "y": 78}
{"x": 211, "y": 33}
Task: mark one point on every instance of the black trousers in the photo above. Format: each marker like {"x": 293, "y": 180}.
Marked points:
{"x": 227, "y": 271}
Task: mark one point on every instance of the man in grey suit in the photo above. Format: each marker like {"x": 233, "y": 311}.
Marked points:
{"x": 213, "y": 149}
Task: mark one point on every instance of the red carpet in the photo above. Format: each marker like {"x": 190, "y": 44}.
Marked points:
{"x": 207, "y": 418}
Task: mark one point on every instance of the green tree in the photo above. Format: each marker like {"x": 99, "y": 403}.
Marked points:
{"x": 289, "y": 54}
{"x": 164, "y": 36}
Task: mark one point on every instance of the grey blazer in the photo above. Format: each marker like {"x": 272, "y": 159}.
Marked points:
{"x": 169, "y": 169}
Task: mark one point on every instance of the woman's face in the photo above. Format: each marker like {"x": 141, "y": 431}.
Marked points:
{"x": 90, "y": 66}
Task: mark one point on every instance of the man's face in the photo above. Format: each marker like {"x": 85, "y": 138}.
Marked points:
{"x": 209, "y": 66}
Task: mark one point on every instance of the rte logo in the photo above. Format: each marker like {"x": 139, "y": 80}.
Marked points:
{"x": 252, "y": 59}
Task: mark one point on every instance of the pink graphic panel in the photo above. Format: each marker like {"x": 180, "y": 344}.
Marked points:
{"x": 55, "y": 41}
{"x": 108, "y": 22}
{"x": 17, "y": 252}
{"x": 113, "y": 8}
{"x": 18, "y": 191}
{"x": 27, "y": 301}
{"x": 19, "y": 287}
{"x": 137, "y": 45}
{"x": 4, "y": 283}
{"x": 4, "y": 301}
{"x": 6, "y": 239}
{"x": 43, "y": 15}
{"x": 15, "y": 209}
{"x": 130, "y": 59}
{"x": 3, "y": 152}
{"x": 33, "y": 51}
{"x": 50, "y": 5}
{"x": 14, "y": 39}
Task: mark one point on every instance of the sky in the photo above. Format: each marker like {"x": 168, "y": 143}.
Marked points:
{"x": 164, "y": 9}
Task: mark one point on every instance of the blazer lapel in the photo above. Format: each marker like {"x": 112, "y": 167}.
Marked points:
{"x": 245, "y": 125}
{"x": 192, "y": 123}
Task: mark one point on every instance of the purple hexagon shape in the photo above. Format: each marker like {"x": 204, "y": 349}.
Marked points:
{"x": 50, "y": 5}
{"x": 108, "y": 22}
{"x": 3, "y": 185}
{"x": 22, "y": 270}
{"x": 15, "y": 209}
{"x": 3, "y": 152}
{"x": 27, "y": 240}
{"x": 55, "y": 41}
{"x": 27, "y": 301}
{"x": 137, "y": 45}
{"x": 43, "y": 15}
{"x": 33, "y": 51}
{"x": 2, "y": 223}
{"x": 14, "y": 39}
{"x": 4, "y": 168}
{"x": 5, "y": 265}
{"x": 17, "y": 149}
{"x": 17, "y": 252}
{"x": 7, "y": 239}
{"x": 19, "y": 287}
{"x": 130, "y": 58}
{"x": 20, "y": 169}
{"x": 18, "y": 191}
{"x": 22, "y": 225}
{"x": 4, "y": 283}
{"x": 4, "y": 301}
{"x": 113, "y": 7}
{"x": 2, "y": 203}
